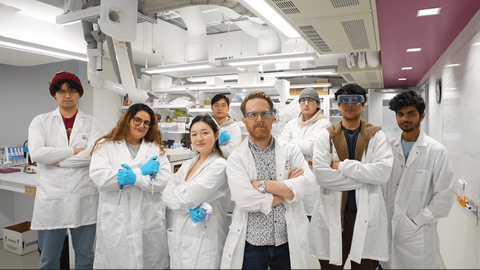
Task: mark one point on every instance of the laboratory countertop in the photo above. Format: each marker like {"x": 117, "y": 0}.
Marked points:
{"x": 26, "y": 183}
{"x": 19, "y": 182}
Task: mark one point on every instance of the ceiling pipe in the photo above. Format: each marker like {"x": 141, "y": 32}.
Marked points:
{"x": 197, "y": 48}
{"x": 267, "y": 38}
{"x": 155, "y": 6}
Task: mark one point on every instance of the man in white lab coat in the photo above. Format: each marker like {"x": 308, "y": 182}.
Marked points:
{"x": 268, "y": 179}
{"x": 420, "y": 189}
{"x": 230, "y": 134}
{"x": 302, "y": 132}
{"x": 60, "y": 142}
{"x": 351, "y": 161}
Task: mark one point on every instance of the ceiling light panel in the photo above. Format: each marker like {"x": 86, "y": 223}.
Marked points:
{"x": 270, "y": 59}
{"x": 428, "y": 12}
{"x": 273, "y": 17}
{"x": 414, "y": 49}
{"x": 313, "y": 72}
{"x": 177, "y": 67}
{"x": 20, "y": 45}
{"x": 406, "y": 68}
{"x": 402, "y": 79}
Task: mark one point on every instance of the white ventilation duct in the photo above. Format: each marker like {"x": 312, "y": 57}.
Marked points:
{"x": 373, "y": 59}
{"x": 267, "y": 38}
{"x": 197, "y": 49}
{"x": 155, "y": 6}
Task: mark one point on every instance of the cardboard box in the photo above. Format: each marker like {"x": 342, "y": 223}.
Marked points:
{"x": 320, "y": 90}
{"x": 19, "y": 239}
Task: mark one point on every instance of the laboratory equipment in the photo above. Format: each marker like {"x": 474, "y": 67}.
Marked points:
{"x": 209, "y": 210}
{"x": 120, "y": 190}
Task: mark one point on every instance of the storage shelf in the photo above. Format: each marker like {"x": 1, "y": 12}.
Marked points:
{"x": 200, "y": 110}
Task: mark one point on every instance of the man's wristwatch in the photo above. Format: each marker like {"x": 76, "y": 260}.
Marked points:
{"x": 261, "y": 187}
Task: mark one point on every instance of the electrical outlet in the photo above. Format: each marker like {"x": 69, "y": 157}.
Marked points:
{"x": 461, "y": 184}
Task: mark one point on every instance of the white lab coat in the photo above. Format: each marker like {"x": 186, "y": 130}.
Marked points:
{"x": 235, "y": 138}
{"x": 207, "y": 184}
{"x": 420, "y": 189}
{"x": 304, "y": 138}
{"x": 66, "y": 196}
{"x": 133, "y": 234}
{"x": 366, "y": 177}
{"x": 241, "y": 171}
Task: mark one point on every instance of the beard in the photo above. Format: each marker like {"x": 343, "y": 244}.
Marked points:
{"x": 259, "y": 134}
{"x": 414, "y": 126}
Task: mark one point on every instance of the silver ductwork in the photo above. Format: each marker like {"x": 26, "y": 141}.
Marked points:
{"x": 155, "y": 6}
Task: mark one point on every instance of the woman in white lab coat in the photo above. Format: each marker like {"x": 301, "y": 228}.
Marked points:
{"x": 131, "y": 227}
{"x": 195, "y": 242}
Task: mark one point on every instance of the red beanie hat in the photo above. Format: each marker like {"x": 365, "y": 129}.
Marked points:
{"x": 65, "y": 76}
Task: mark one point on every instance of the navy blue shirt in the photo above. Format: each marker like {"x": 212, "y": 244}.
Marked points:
{"x": 351, "y": 137}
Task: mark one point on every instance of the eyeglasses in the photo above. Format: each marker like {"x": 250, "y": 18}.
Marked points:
{"x": 218, "y": 106}
{"x": 63, "y": 92}
{"x": 309, "y": 101}
{"x": 137, "y": 121}
{"x": 254, "y": 115}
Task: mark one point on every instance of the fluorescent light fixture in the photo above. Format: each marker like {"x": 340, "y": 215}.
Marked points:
{"x": 452, "y": 65}
{"x": 414, "y": 49}
{"x": 312, "y": 85}
{"x": 406, "y": 68}
{"x": 428, "y": 12}
{"x": 221, "y": 77}
{"x": 24, "y": 46}
{"x": 299, "y": 73}
{"x": 273, "y": 17}
{"x": 270, "y": 59}
{"x": 177, "y": 67}
{"x": 476, "y": 44}
{"x": 402, "y": 79}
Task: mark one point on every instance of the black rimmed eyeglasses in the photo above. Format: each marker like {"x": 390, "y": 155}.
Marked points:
{"x": 137, "y": 121}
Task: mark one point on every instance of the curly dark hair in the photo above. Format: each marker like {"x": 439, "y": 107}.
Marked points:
{"x": 254, "y": 95}
{"x": 123, "y": 126}
{"x": 408, "y": 98}
{"x": 207, "y": 119}
{"x": 351, "y": 89}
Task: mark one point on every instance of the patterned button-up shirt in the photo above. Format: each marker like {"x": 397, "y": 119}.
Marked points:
{"x": 271, "y": 229}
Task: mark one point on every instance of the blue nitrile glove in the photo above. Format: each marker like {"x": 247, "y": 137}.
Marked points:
{"x": 224, "y": 137}
{"x": 197, "y": 214}
{"x": 127, "y": 176}
{"x": 151, "y": 166}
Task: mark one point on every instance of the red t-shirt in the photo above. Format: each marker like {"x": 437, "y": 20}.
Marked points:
{"x": 69, "y": 125}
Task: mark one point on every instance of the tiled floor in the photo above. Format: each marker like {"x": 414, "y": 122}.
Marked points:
{"x": 10, "y": 260}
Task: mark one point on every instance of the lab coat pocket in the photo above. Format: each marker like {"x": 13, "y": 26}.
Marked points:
{"x": 410, "y": 235}
{"x": 112, "y": 224}
{"x": 374, "y": 211}
{"x": 171, "y": 243}
{"x": 321, "y": 208}
{"x": 302, "y": 232}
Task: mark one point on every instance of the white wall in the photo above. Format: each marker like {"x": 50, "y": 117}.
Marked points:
{"x": 23, "y": 95}
{"x": 459, "y": 235}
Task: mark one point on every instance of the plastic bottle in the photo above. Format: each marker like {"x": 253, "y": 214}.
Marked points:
{"x": 126, "y": 100}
